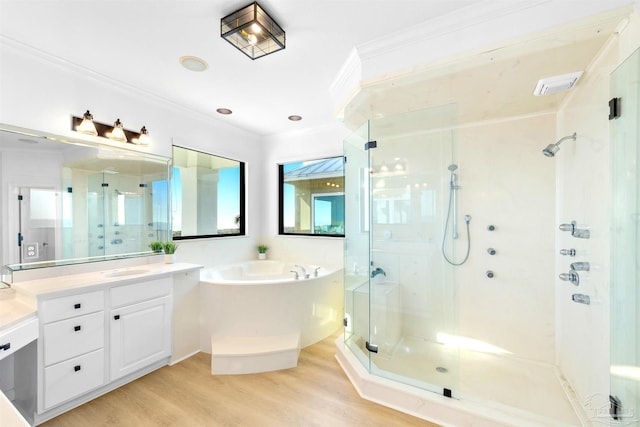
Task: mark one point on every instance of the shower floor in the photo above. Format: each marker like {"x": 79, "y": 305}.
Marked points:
{"x": 512, "y": 385}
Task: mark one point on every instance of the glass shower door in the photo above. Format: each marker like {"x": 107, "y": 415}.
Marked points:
{"x": 356, "y": 244}
{"x": 400, "y": 294}
{"x": 412, "y": 291}
{"x": 625, "y": 257}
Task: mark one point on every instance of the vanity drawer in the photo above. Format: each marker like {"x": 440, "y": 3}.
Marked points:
{"x": 73, "y": 377}
{"x": 72, "y": 337}
{"x": 73, "y": 305}
{"x": 143, "y": 291}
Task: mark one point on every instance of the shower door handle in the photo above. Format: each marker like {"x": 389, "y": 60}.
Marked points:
{"x": 371, "y": 347}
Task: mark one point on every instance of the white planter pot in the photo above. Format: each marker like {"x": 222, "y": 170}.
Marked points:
{"x": 262, "y": 256}
{"x": 169, "y": 258}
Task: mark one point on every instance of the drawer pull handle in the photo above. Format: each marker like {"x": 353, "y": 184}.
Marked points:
{"x": 5, "y": 347}
{"x": 116, "y": 317}
{"x": 77, "y": 368}
{"x": 77, "y": 328}
{"x": 77, "y": 306}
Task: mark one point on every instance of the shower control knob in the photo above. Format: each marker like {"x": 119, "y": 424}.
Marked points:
{"x": 568, "y": 227}
{"x": 580, "y": 266}
{"x": 490, "y": 274}
{"x": 570, "y": 252}
{"x": 571, "y": 276}
{"x": 491, "y": 251}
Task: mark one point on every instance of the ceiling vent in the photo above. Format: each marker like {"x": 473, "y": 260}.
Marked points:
{"x": 555, "y": 84}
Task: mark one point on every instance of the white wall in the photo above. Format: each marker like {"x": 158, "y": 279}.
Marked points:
{"x": 41, "y": 92}
{"x": 507, "y": 182}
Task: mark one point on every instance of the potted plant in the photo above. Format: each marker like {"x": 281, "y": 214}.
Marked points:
{"x": 170, "y": 249}
{"x": 262, "y": 251}
{"x": 156, "y": 247}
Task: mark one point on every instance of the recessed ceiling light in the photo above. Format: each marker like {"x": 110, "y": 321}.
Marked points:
{"x": 193, "y": 63}
{"x": 295, "y": 118}
{"x": 224, "y": 111}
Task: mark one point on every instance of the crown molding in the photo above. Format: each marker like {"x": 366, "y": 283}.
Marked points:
{"x": 483, "y": 25}
{"x": 29, "y": 51}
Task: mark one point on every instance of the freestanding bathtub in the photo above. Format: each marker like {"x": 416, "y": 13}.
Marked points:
{"x": 262, "y": 299}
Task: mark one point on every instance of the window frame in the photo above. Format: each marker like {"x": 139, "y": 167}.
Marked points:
{"x": 242, "y": 178}
{"x": 281, "y": 183}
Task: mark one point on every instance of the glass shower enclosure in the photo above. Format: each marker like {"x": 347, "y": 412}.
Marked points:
{"x": 400, "y": 302}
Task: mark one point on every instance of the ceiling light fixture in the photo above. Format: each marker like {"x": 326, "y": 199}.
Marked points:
{"x": 87, "y": 125}
{"x": 224, "y": 111}
{"x": 295, "y": 118}
{"x": 193, "y": 63}
{"x": 253, "y": 31}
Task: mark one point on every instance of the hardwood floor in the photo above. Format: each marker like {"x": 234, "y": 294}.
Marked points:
{"x": 316, "y": 393}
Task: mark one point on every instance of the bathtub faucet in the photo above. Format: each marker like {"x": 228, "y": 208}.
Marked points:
{"x": 304, "y": 270}
{"x": 296, "y": 276}
{"x": 377, "y": 271}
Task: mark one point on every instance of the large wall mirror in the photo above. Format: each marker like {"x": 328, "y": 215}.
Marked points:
{"x": 72, "y": 200}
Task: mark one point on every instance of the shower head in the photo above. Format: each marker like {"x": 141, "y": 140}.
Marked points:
{"x": 552, "y": 149}
{"x": 452, "y": 167}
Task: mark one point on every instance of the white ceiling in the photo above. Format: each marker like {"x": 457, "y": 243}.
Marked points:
{"x": 139, "y": 42}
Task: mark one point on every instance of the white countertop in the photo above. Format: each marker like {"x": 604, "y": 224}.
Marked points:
{"x": 68, "y": 284}
{"x": 12, "y": 312}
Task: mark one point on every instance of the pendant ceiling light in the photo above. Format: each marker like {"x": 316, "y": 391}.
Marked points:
{"x": 252, "y": 31}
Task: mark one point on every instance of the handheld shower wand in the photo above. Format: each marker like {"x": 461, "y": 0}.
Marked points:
{"x": 453, "y": 186}
{"x": 452, "y": 211}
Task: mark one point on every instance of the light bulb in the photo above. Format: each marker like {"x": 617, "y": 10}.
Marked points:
{"x": 256, "y": 28}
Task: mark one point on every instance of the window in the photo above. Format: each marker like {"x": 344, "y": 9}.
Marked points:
{"x": 312, "y": 197}
{"x": 207, "y": 195}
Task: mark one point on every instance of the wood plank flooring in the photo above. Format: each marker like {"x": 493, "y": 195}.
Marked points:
{"x": 316, "y": 393}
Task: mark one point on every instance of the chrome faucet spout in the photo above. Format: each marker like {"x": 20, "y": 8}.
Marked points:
{"x": 304, "y": 270}
{"x": 378, "y": 271}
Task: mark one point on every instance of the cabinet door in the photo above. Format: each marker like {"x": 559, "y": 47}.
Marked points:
{"x": 140, "y": 335}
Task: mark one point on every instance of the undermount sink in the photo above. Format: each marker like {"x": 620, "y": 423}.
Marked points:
{"x": 120, "y": 273}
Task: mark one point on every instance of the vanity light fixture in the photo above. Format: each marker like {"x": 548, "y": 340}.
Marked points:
{"x": 87, "y": 126}
{"x": 252, "y": 31}
{"x": 117, "y": 133}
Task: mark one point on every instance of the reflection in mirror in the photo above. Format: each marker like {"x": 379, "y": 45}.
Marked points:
{"x": 67, "y": 200}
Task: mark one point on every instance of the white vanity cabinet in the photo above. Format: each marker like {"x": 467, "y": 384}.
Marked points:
{"x": 140, "y": 325}
{"x": 100, "y": 330}
{"x": 72, "y": 352}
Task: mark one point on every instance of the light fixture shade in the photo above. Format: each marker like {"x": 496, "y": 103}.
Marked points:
{"x": 253, "y": 31}
{"x": 144, "y": 138}
{"x": 87, "y": 126}
{"x": 117, "y": 134}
